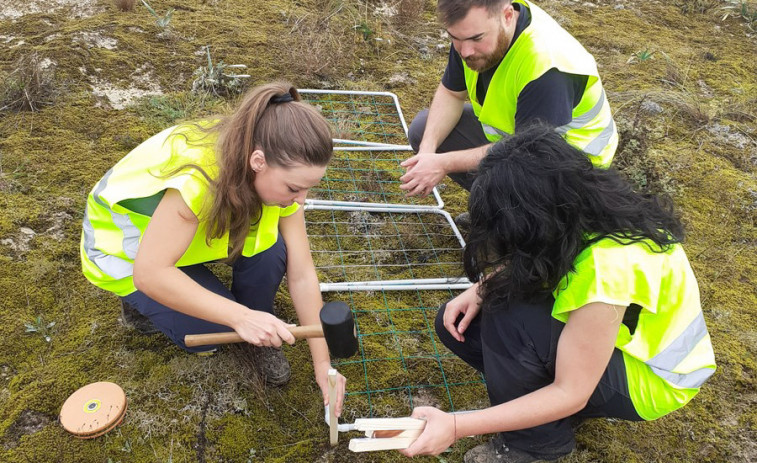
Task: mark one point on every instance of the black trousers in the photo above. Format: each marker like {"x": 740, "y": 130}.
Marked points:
{"x": 468, "y": 133}
{"x": 516, "y": 348}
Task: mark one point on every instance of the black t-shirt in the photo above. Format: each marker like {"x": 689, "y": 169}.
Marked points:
{"x": 550, "y": 98}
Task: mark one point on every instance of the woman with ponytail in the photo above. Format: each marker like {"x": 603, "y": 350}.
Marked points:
{"x": 584, "y": 304}
{"x": 227, "y": 189}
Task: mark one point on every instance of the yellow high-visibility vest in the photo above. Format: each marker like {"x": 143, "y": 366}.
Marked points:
{"x": 541, "y": 46}
{"x": 120, "y": 206}
{"x": 669, "y": 354}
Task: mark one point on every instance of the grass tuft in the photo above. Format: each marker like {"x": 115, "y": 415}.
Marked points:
{"x": 409, "y": 14}
{"x": 741, "y": 9}
{"x": 320, "y": 45}
{"x": 29, "y": 86}
{"x": 697, "y": 6}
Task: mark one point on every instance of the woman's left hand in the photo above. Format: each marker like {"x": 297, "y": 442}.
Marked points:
{"x": 322, "y": 378}
{"x": 437, "y": 436}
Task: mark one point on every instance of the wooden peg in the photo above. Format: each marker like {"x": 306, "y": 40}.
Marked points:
{"x": 333, "y": 424}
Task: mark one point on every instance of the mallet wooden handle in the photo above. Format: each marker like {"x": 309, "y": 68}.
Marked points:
{"x": 299, "y": 332}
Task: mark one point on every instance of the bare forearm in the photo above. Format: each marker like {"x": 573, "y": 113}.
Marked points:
{"x": 542, "y": 406}
{"x": 583, "y": 353}
{"x": 173, "y": 288}
{"x": 464, "y": 160}
{"x": 306, "y": 297}
{"x": 444, "y": 113}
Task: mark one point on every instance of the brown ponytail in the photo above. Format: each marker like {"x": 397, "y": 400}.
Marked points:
{"x": 271, "y": 118}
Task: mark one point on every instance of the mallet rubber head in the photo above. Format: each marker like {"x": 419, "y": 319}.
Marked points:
{"x": 339, "y": 329}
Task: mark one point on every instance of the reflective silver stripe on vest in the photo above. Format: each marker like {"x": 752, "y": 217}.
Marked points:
{"x": 580, "y": 121}
{"x": 489, "y": 130}
{"x": 596, "y": 146}
{"x": 663, "y": 363}
{"x": 112, "y": 266}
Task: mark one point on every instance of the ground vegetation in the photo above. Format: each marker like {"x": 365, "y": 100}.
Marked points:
{"x": 83, "y": 82}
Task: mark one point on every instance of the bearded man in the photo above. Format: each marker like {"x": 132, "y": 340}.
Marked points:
{"x": 516, "y": 65}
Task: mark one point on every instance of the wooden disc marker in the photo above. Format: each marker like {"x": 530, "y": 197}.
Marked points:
{"x": 93, "y": 410}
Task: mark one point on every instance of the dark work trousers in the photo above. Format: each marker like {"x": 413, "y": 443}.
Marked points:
{"x": 515, "y": 349}
{"x": 467, "y": 134}
{"x": 255, "y": 281}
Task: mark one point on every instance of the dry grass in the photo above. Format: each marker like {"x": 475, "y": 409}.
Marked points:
{"x": 125, "y": 5}
{"x": 320, "y": 43}
{"x": 409, "y": 14}
{"x": 697, "y": 6}
{"x": 29, "y": 86}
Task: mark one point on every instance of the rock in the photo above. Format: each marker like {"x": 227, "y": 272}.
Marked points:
{"x": 650, "y": 107}
{"x": 704, "y": 89}
{"x": 400, "y": 79}
{"x": 726, "y": 135}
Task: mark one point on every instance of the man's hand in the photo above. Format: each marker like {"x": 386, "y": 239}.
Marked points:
{"x": 424, "y": 172}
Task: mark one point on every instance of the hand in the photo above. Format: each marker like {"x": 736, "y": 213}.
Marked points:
{"x": 322, "y": 378}
{"x": 424, "y": 172}
{"x": 467, "y": 303}
{"x": 262, "y": 328}
{"x": 437, "y": 436}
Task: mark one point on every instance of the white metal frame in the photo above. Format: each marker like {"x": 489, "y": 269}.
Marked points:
{"x": 320, "y": 204}
{"x": 360, "y": 145}
{"x": 396, "y": 285}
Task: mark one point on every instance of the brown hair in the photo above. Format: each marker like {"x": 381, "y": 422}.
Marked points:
{"x": 450, "y": 12}
{"x": 271, "y": 118}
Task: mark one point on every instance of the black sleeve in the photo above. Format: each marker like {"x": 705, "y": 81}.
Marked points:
{"x": 550, "y": 99}
{"x": 454, "y": 76}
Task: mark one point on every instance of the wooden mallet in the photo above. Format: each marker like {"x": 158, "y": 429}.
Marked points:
{"x": 337, "y": 327}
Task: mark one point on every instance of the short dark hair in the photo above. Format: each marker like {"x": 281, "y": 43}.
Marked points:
{"x": 452, "y": 11}
{"x": 538, "y": 202}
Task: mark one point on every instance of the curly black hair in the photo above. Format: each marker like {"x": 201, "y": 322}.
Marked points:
{"x": 538, "y": 202}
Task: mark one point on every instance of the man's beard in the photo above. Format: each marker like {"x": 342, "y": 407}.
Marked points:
{"x": 486, "y": 62}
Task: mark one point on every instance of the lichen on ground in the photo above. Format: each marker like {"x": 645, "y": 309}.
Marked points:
{"x": 682, "y": 86}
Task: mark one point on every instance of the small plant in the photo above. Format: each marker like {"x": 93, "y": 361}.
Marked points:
{"x": 214, "y": 79}
{"x": 364, "y": 29}
{"x": 741, "y": 9}
{"x": 641, "y": 56}
{"x": 161, "y": 21}
{"x": 37, "y": 325}
{"x": 127, "y": 446}
{"x": 125, "y": 5}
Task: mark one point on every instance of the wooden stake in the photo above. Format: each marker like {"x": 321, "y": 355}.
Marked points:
{"x": 333, "y": 423}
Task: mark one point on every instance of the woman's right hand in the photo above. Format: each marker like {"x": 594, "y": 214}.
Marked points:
{"x": 262, "y": 328}
{"x": 467, "y": 303}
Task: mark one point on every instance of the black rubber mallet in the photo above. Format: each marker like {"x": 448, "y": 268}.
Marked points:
{"x": 337, "y": 327}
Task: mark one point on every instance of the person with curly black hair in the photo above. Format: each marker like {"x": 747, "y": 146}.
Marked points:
{"x": 584, "y": 304}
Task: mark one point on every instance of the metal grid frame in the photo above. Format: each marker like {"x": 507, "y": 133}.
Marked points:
{"x": 365, "y": 122}
{"x": 401, "y": 363}
{"x": 419, "y": 249}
